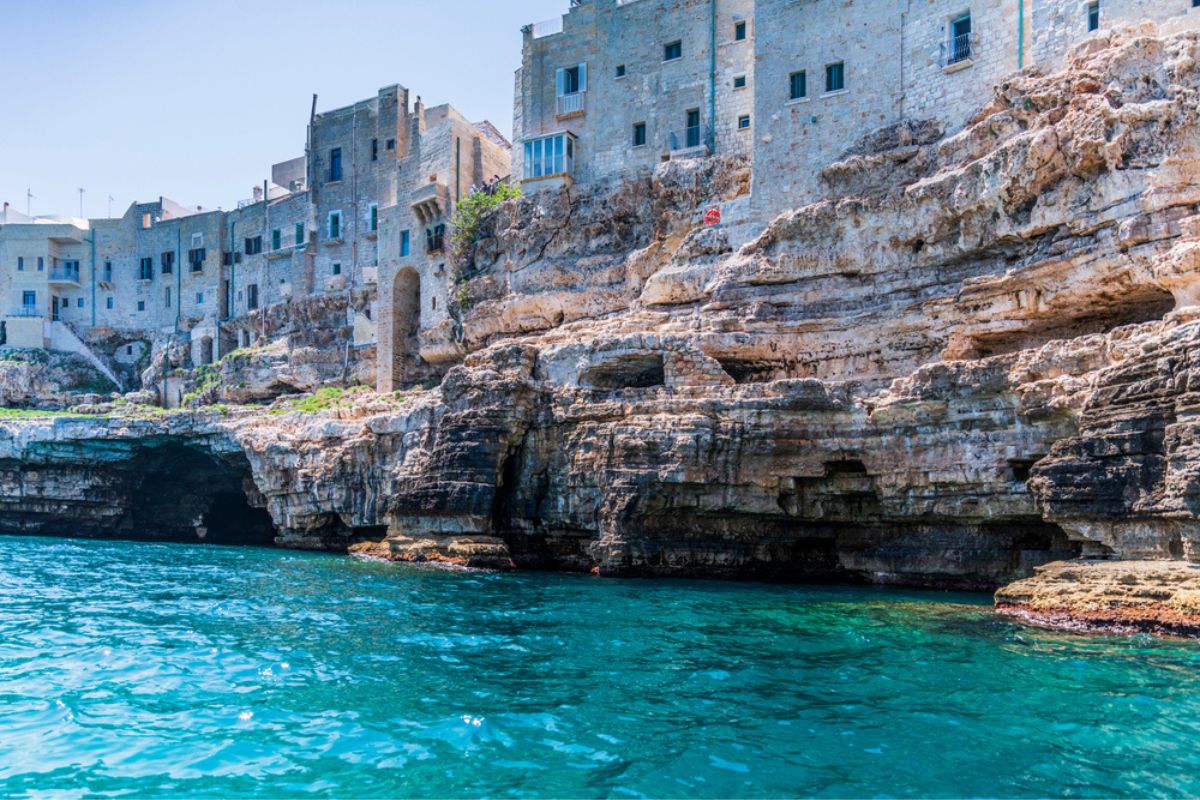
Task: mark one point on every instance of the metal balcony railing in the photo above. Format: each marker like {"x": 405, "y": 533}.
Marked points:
{"x": 26, "y": 311}
{"x": 571, "y": 103}
{"x": 959, "y": 49}
{"x": 63, "y": 275}
{"x": 687, "y": 138}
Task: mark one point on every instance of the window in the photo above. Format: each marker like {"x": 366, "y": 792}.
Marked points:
{"x": 374, "y": 211}
{"x": 335, "y": 224}
{"x": 435, "y": 239}
{"x": 299, "y": 233}
{"x": 41, "y": 264}
{"x": 672, "y": 50}
{"x": 79, "y": 302}
{"x": 335, "y": 164}
{"x": 108, "y": 272}
{"x": 336, "y": 268}
{"x": 168, "y": 263}
{"x": 572, "y": 80}
{"x": 799, "y": 85}
{"x": 374, "y": 149}
{"x": 1093, "y": 15}
{"x": 620, "y": 70}
{"x": 197, "y": 241}
{"x": 253, "y": 245}
{"x": 960, "y": 39}
{"x": 403, "y": 243}
{"x": 391, "y": 144}
{"x": 108, "y": 303}
{"x": 145, "y": 224}
{"x": 226, "y": 259}
{"x": 141, "y": 305}
{"x": 739, "y": 81}
{"x": 28, "y": 299}
{"x": 692, "y": 132}
{"x": 196, "y": 257}
{"x": 739, "y": 31}
{"x": 276, "y": 239}
{"x": 20, "y": 263}
{"x": 167, "y": 297}
{"x": 639, "y": 134}
{"x": 146, "y": 269}
{"x": 252, "y": 296}
{"x": 550, "y": 155}
{"x": 835, "y": 77}
{"x": 199, "y": 298}
{"x": 743, "y": 122}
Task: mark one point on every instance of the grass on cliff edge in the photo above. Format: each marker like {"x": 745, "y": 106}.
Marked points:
{"x": 33, "y": 413}
{"x": 328, "y": 398}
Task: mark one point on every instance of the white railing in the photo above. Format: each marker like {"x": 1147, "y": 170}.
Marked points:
{"x": 547, "y": 27}
{"x": 570, "y": 103}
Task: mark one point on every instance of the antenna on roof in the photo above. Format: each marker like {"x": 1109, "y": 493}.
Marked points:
{"x": 28, "y": 197}
{"x": 110, "y": 199}
{"x": 81, "y": 202}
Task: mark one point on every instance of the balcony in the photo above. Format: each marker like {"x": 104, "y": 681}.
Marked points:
{"x": 570, "y": 105}
{"x": 958, "y": 52}
{"x": 26, "y": 312}
{"x": 64, "y": 276}
{"x": 689, "y": 142}
{"x": 550, "y": 158}
{"x": 430, "y": 202}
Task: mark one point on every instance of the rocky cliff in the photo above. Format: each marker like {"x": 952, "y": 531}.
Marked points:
{"x": 976, "y": 355}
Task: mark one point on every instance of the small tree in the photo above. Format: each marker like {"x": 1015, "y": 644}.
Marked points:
{"x": 471, "y": 214}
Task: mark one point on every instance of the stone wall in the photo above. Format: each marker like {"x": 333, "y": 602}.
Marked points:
{"x": 606, "y": 35}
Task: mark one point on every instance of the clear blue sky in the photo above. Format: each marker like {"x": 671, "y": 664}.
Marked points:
{"x": 195, "y": 100}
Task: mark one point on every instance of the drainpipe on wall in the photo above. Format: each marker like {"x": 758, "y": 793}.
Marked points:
{"x": 712, "y": 79}
{"x": 93, "y": 242}
{"x": 1020, "y": 34}
{"x": 178, "y": 275}
{"x": 265, "y": 271}
{"x": 230, "y": 301}
{"x": 457, "y": 169}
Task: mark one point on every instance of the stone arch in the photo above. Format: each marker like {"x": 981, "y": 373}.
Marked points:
{"x": 406, "y": 323}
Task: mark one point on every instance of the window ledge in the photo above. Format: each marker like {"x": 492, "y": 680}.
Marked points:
{"x": 672, "y": 60}
{"x": 958, "y": 66}
{"x": 837, "y": 93}
{"x": 739, "y": 88}
{"x": 571, "y": 115}
{"x": 798, "y": 101}
{"x": 333, "y": 242}
{"x": 334, "y": 183}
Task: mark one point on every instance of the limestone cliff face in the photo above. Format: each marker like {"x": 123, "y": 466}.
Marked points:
{"x": 975, "y": 356}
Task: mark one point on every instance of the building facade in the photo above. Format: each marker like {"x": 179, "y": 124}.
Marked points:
{"x": 371, "y": 200}
{"x": 792, "y": 84}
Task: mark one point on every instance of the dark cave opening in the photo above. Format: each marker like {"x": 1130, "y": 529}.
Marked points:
{"x": 627, "y": 371}
{"x": 180, "y": 493}
{"x": 1145, "y": 304}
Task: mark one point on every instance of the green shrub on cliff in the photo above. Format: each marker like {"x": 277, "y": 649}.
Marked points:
{"x": 471, "y": 214}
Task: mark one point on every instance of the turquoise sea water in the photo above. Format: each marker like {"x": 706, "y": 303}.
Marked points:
{"x": 183, "y": 670}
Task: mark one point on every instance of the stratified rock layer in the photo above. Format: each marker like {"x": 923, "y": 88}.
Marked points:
{"x": 975, "y": 356}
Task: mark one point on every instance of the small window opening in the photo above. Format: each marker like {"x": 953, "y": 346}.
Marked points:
{"x": 835, "y": 77}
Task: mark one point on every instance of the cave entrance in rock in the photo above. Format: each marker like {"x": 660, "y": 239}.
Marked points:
{"x": 181, "y": 493}
{"x": 406, "y": 323}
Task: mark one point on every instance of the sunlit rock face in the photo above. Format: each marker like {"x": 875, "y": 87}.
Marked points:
{"x": 974, "y": 355}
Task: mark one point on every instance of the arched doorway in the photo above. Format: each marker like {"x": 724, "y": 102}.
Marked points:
{"x": 406, "y": 323}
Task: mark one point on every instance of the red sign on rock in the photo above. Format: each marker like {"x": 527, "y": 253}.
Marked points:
{"x": 712, "y": 216}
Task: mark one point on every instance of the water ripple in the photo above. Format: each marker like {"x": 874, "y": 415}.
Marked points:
{"x": 164, "y": 670}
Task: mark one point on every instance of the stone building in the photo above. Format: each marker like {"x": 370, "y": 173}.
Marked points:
{"x": 617, "y": 86}
{"x": 374, "y": 192}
